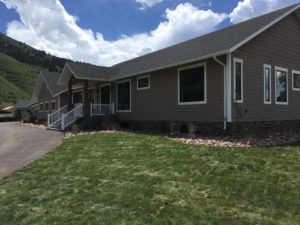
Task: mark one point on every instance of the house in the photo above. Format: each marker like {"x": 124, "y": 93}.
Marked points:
{"x": 244, "y": 74}
{"x": 47, "y": 97}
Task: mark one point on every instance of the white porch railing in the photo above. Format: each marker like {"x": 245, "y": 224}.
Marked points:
{"x": 56, "y": 116}
{"x": 71, "y": 116}
{"x": 102, "y": 109}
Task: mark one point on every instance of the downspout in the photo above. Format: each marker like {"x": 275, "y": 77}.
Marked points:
{"x": 225, "y": 91}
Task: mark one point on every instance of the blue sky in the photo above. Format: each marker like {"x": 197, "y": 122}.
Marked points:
{"x": 114, "y": 18}
{"x": 125, "y": 17}
{"x": 106, "y": 32}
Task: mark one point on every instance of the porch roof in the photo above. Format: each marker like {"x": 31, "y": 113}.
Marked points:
{"x": 84, "y": 71}
{"x": 23, "y": 103}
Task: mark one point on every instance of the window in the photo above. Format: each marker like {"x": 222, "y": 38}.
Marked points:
{"x": 267, "y": 84}
{"x": 296, "y": 80}
{"x": 124, "y": 96}
{"x": 53, "y": 105}
{"x": 41, "y": 106}
{"x": 238, "y": 80}
{"x": 281, "y": 85}
{"x": 192, "y": 84}
{"x": 143, "y": 82}
{"x": 46, "y": 106}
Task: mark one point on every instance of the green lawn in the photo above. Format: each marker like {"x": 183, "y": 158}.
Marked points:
{"x": 125, "y": 178}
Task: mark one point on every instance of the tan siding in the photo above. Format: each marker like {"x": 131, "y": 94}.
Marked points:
{"x": 278, "y": 46}
{"x": 160, "y": 101}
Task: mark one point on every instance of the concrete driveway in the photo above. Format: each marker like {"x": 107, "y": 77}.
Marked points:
{"x": 21, "y": 145}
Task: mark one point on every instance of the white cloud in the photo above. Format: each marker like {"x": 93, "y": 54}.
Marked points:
{"x": 47, "y": 26}
{"x": 148, "y": 3}
{"x": 248, "y": 9}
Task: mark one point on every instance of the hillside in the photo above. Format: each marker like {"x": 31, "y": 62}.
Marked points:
{"x": 19, "y": 66}
{"x": 26, "y": 54}
{"x": 9, "y": 92}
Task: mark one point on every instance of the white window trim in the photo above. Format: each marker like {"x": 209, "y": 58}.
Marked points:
{"x": 41, "y": 103}
{"x": 267, "y": 66}
{"x": 236, "y": 60}
{"x": 55, "y": 106}
{"x": 277, "y": 68}
{"x": 204, "y": 64}
{"x": 120, "y": 82}
{"x": 47, "y": 102}
{"x": 142, "y": 77}
{"x": 293, "y": 73}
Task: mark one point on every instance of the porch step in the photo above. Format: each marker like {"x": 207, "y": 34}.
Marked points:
{"x": 55, "y": 126}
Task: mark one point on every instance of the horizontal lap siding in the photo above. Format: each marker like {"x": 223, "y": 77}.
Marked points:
{"x": 159, "y": 103}
{"x": 278, "y": 46}
{"x": 44, "y": 97}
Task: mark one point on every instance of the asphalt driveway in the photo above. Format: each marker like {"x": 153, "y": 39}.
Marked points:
{"x": 21, "y": 145}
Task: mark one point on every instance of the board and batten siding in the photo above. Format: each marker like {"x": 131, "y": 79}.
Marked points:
{"x": 277, "y": 46}
{"x": 160, "y": 102}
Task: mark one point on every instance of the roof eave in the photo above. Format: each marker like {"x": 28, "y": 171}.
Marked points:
{"x": 174, "y": 64}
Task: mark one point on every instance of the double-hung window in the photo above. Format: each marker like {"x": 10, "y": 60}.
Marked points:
{"x": 46, "y": 106}
{"x": 238, "y": 80}
{"x": 192, "y": 84}
{"x": 267, "y": 84}
{"x": 41, "y": 107}
{"x": 124, "y": 96}
{"x": 296, "y": 80}
{"x": 53, "y": 105}
{"x": 281, "y": 86}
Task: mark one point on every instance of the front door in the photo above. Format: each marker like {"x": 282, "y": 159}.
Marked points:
{"x": 105, "y": 94}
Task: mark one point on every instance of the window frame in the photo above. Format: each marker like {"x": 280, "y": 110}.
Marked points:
{"x": 267, "y": 66}
{"x": 41, "y": 104}
{"x": 47, "y": 110}
{"x": 277, "y": 68}
{"x": 203, "y": 64}
{"x": 241, "y": 61}
{"x": 130, "y": 97}
{"x": 53, "y": 110}
{"x": 293, "y": 73}
{"x": 143, "y": 77}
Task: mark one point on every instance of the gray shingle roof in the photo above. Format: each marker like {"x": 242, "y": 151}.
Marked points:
{"x": 22, "y": 103}
{"x": 89, "y": 71}
{"x": 215, "y": 43}
{"x": 51, "y": 79}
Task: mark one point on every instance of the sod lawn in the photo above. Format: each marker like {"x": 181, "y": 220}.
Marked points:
{"x": 127, "y": 178}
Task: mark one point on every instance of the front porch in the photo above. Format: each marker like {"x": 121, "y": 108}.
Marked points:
{"x": 84, "y": 98}
{"x": 62, "y": 118}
